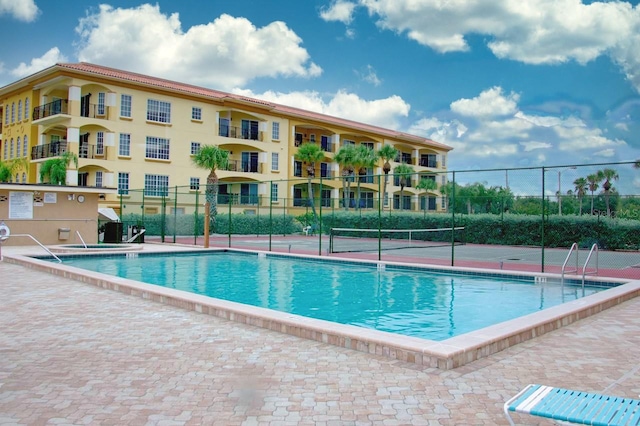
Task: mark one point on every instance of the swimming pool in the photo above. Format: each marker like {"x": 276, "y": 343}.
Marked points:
{"x": 396, "y": 299}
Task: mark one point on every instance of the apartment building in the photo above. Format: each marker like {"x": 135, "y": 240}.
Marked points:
{"x": 136, "y": 132}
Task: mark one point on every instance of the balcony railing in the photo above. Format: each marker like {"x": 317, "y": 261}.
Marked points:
{"x": 93, "y": 111}
{"x": 240, "y": 133}
{"x": 238, "y": 199}
{"x": 429, "y": 162}
{"x": 59, "y": 106}
{"x": 49, "y": 150}
{"x": 91, "y": 151}
{"x": 243, "y": 166}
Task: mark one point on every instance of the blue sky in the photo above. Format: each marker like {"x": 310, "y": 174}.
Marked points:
{"x": 513, "y": 83}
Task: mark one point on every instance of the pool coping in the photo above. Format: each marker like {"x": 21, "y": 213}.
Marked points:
{"x": 447, "y": 354}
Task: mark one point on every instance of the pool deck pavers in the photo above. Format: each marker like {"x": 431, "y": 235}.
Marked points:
{"x": 72, "y": 354}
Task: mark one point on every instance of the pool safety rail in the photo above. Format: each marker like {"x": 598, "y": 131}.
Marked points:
{"x": 37, "y": 242}
{"x": 574, "y": 247}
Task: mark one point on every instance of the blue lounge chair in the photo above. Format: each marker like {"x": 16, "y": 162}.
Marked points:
{"x": 574, "y": 406}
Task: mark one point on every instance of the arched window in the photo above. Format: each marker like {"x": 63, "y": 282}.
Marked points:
{"x": 25, "y": 147}
{"x": 11, "y": 149}
{"x": 18, "y": 146}
{"x": 13, "y": 112}
{"x": 20, "y": 110}
{"x": 26, "y": 108}
{"x": 24, "y": 177}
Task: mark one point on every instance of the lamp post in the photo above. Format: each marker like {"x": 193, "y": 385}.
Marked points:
{"x": 560, "y": 188}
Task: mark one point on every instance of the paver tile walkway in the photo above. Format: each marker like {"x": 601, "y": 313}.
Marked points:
{"x": 74, "y": 354}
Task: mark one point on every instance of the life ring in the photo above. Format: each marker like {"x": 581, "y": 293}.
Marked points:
{"x": 5, "y": 232}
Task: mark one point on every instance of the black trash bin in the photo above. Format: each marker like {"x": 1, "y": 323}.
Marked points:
{"x": 139, "y": 232}
{"x": 112, "y": 232}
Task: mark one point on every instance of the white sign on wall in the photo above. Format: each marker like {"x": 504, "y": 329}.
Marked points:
{"x": 50, "y": 197}
{"x": 20, "y": 205}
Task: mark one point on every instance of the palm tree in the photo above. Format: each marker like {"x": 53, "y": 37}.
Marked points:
{"x": 386, "y": 153}
{"x": 55, "y": 169}
{"x": 608, "y": 175}
{"x": 581, "y": 190}
{"x": 345, "y": 157}
{"x": 594, "y": 180}
{"x": 310, "y": 153}
{"x": 211, "y": 157}
{"x": 9, "y": 168}
{"x": 427, "y": 185}
{"x": 365, "y": 158}
{"x": 404, "y": 172}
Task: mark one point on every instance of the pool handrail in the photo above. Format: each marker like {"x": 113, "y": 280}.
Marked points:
{"x": 594, "y": 247}
{"x": 80, "y": 236}
{"x": 564, "y": 265}
{"x": 39, "y": 243}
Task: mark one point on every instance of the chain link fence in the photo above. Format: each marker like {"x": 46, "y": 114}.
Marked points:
{"x": 515, "y": 219}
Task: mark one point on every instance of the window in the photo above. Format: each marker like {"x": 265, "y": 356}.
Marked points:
{"x": 346, "y": 142}
{"x": 13, "y": 112}
{"x": 158, "y": 111}
{"x": 11, "y": 149}
{"x": 250, "y": 130}
{"x": 20, "y": 110}
{"x": 157, "y": 148}
{"x": 18, "y": 146}
{"x": 6, "y": 118}
{"x": 443, "y": 157}
{"x": 98, "y": 179}
{"x": 367, "y": 144}
{"x": 124, "y": 147}
{"x": 298, "y": 137}
{"x": 156, "y": 185}
{"x": 443, "y": 180}
{"x": 195, "y": 147}
{"x": 6, "y": 151}
{"x": 194, "y": 183}
{"x": 274, "y": 191}
{"x": 275, "y": 159}
{"x": 100, "y": 143}
{"x": 312, "y": 138}
{"x": 196, "y": 113}
{"x": 250, "y": 162}
{"x": 325, "y": 170}
{"x": 101, "y": 108}
{"x": 123, "y": 183}
{"x": 223, "y": 125}
{"x": 26, "y": 108}
{"x": 275, "y": 130}
{"x": 325, "y": 143}
{"x": 25, "y": 146}
{"x": 428, "y": 160}
{"x": 249, "y": 193}
{"x": 297, "y": 168}
{"x": 125, "y": 106}
{"x": 24, "y": 177}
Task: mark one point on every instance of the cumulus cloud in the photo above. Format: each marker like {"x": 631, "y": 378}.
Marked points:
{"x": 534, "y": 145}
{"x": 490, "y": 103}
{"x": 369, "y": 75}
{"x": 529, "y": 31}
{"x": 214, "y": 54}
{"x": 22, "y": 10}
{"x": 51, "y": 57}
{"x": 339, "y": 10}
{"x": 386, "y": 112}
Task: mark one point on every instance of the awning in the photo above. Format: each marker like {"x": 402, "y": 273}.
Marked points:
{"x": 107, "y": 213}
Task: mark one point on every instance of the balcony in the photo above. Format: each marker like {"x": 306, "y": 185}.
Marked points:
{"x": 49, "y": 150}
{"x": 243, "y": 166}
{"x": 240, "y": 133}
{"x": 238, "y": 199}
{"x": 59, "y": 106}
{"x": 429, "y": 162}
{"x": 91, "y": 151}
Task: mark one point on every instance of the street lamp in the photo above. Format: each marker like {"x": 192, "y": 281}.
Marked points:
{"x": 560, "y": 190}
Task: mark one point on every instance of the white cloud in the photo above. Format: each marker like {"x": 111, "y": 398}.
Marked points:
{"x": 605, "y": 153}
{"x": 529, "y": 31}
{"x": 490, "y": 103}
{"x": 369, "y": 75}
{"x": 340, "y": 10}
{"x": 533, "y": 145}
{"x": 575, "y": 139}
{"x": 22, "y": 10}
{"x": 550, "y": 121}
{"x": 379, "y": 112}
{"x": 212, "y": 55}
{"x": 50, "y": 58}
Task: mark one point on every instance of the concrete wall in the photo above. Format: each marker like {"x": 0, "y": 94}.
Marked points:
{"x": 52, "y": 209}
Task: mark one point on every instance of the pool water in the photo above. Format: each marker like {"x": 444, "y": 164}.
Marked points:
{"x": 424, "y": 304}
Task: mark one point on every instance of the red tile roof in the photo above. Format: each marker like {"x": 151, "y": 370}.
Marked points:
{"x": 218, "y": 95}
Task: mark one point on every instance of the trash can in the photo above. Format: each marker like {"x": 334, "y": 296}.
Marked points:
{"x": 137, "y": 231}
{"x": 112, "y": 232}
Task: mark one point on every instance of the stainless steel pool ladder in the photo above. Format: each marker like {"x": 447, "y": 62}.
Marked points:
{"x": 574, "y": 246}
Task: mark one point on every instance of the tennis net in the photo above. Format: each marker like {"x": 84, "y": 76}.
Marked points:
{"x": 345, "y": 240}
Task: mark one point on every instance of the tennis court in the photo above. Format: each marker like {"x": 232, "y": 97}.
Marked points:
{"x": 617, "y": 264}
